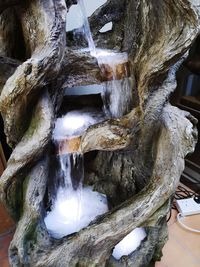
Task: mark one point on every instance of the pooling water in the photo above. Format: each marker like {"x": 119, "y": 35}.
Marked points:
{"x": 117, "y": 95}
{"x": 74, "y": 206}
{"x": 129, "y": 243}
{"x": 75, "y": 122}
{"x": 74, "y": 210}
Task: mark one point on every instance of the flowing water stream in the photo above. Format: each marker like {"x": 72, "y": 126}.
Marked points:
{"x": 117, "y": 95}
{"x": 75, "y": 206}
{"x": 87, "y": 31}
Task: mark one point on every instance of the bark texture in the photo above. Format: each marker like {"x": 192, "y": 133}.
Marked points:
{"x": 138, "y": 158}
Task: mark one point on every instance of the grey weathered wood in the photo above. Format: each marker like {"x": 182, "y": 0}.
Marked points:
{"x": 26, "y": 153}
{"x": 4, "y": 4}
{"x": 143, "y": 152}
{"x": 7, "y": 68}
{"x": 30, "y": 220}
{"x": 134, "y": 212}
{"x": 36, "y": 72}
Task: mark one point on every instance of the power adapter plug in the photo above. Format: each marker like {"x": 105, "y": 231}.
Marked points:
{"x": 188, "y": 206}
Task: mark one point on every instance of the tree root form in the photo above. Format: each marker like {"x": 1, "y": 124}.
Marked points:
{"x": 93, "y": 245}
{"x": 145, "y": 148}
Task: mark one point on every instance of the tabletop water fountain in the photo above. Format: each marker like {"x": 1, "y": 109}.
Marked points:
{"x": 98, "y": 149}
{"x": 73, "y": 205}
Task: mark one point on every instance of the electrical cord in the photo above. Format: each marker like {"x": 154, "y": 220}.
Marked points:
{"x": 179, "y": 219}
{"x": 173, "y": 207}
{"x": 181, "y": 193}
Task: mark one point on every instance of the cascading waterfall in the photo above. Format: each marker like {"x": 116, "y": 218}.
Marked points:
{"x": 117, "y": 95}
{"x": 87, "y": 31}
{"x": 114, "y": 104}
{"x": 76, "y": 206}
{"x": 72, "y": 170}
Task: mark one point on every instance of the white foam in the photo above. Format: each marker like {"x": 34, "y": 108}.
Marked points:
{"x": 129, "y": 244}
{"x": 74, "y": 123}
{"x": 74, "y": 210}
{"x": 111, "y": 57}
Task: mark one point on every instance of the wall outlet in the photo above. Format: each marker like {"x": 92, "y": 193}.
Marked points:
{"x": 188, "y": 206}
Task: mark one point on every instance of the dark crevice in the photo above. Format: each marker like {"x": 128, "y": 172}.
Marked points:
{"x": 6, "y": 149}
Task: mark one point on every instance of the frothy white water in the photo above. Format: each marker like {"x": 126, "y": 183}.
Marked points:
{"x": 74, "y": 210}
{"x": 74, "y": 206}
{"x": 117, "y": 96}
{"x": 111, "y": 58}
{"x": 74, "y": 123}
{"x": 129, "y": 244}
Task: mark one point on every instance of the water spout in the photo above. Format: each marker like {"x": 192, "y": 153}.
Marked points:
{"x": 76, "y": 206}
{"x": 117, "y": 95}
{"x": 87, "y": 31}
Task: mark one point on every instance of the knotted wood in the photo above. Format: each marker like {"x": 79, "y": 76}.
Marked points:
{"x": 138, "y": 158}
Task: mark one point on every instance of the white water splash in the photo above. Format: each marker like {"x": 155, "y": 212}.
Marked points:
{"x": 74, "y": 206}
{"x": 111, "y": 57}
{"x": 129, "y": 244}
{"x": 74, "y": 123}
{"x": 74, "y": 210}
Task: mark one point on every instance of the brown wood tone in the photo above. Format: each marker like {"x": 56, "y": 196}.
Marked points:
{"x": 187, "y": 97}
{"x": 2, "y": 160}
{"x": 1, "y": 166}
{"x": 69, "y": 145}
{"x": 140, "y": 155}
{"x": 182, "y": 248}
{"x": 6, "y": 223}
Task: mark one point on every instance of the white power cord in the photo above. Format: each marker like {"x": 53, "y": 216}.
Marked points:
{"x": 179, "y": 219}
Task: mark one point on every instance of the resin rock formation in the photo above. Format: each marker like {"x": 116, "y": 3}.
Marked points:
{"x": 139, "y": 157}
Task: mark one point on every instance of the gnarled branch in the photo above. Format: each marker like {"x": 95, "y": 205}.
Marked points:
{"x": 25, "y": 154}
{"x": 134, "y": 212}
{"x": 7, "y": 68}
{"x": 36, "y": 72}
{"x": 4, "y": 4}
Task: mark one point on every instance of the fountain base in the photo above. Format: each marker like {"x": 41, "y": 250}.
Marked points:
{"x": 74, "y": 210}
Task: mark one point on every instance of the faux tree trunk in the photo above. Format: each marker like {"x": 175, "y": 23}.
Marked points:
{"x": 139, "y": 157}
